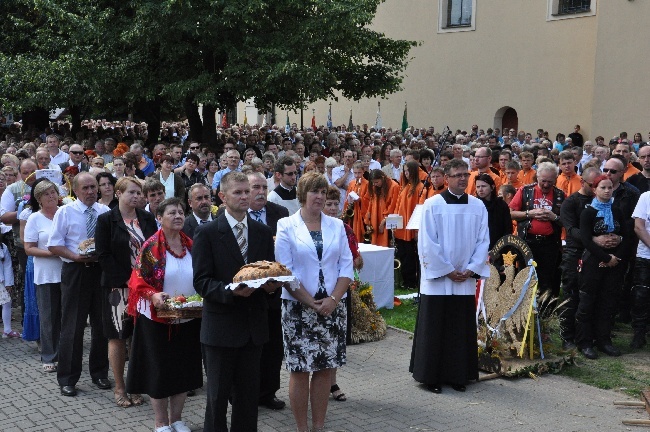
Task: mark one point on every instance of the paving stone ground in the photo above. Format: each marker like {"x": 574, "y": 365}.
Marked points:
{"x": 382, "y": 396}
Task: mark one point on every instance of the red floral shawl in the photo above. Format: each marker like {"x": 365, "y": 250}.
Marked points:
{"x": 148, "y": 276}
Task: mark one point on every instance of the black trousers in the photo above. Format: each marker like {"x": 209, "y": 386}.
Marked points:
{"x": 271, "y": 358}
{"x": 236, "y": 372}
{"x": 570, "y": 292}
{"x": 81, "y": 296}
{"x": 546, "y": 253}
{"x": 641, "y": 296}
{"x": 599, "y": 287}
{"x": 407, "y": 253}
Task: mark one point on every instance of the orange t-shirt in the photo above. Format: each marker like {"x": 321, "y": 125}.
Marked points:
{"x": 567, "y": 184}
{"x": 630, "y": 171}
{"x": 527, "y": 178}
{"x": 471, "y": 183}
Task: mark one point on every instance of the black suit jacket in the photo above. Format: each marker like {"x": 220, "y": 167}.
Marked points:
{"x": 274, "y": 212}
{"x": 228, "y": 320}
{"x": 64, "y": 165}
{"x": 190, "y": 223}
{"x": 112, "y": 243}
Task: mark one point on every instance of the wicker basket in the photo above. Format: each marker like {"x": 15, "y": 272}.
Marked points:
{"x": 180, "y": 313}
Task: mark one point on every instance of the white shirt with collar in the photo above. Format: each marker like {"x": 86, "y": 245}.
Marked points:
{"x": 396, "y": 172}
{"x": 374, "y": 165}
{"x": 232, "y": 222}
{"x": 198, "y": 219}
{"x": 69, "y": 225}
{"x": 60, "y": 157}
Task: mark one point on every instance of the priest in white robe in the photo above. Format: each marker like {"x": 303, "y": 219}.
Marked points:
{"x": 453, "y": 245}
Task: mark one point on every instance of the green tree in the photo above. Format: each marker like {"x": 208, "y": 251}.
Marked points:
{"x": 151, "y": 54}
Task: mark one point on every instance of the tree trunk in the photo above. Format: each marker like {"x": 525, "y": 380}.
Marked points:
{"x": 75, "y": 113}
{"x": 209, "y": 126}
{"x": 149, "y": 111}
{"x": 194, "y": 119}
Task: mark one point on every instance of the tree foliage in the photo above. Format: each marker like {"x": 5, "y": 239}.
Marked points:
{"x": 104, "y": 54}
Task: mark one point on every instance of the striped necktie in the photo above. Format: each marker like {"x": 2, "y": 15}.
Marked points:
{"x": 241, "y": 241}
{"x": 257, "y": 215}
{"x": 91, "y": 222}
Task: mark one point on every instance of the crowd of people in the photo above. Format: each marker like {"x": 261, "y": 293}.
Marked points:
{"x": 179, "y": 218}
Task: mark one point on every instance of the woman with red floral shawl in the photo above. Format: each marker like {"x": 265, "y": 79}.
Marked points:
{"x": 165, "y": 361}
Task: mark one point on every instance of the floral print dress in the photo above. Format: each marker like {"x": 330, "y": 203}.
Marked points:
{"x": 313, "y": 342}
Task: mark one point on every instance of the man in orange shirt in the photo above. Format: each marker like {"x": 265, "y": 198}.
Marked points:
{"x": 624, "y": 149}
{"x": 527, "y": 173}
{"x": 512, "y": 174}
{"x": 504, "y": 157}
{"x": 482, "y": 161}
{"x": 435, "y": 185}
{"x": 568, "y": 181}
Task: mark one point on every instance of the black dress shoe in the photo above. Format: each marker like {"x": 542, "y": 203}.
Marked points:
{"x": 102, "y": 383}
{"x": 458, "y": 387}
{"x": 610, "y": 350}
{"x": 273, "y": 403}
{"x": 590, "y": 353}
{"x": 68, "y": 391}
{"x": 435, "y": 388}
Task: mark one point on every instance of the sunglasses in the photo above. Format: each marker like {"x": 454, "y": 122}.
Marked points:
{"x": 76, "y": 152}
{"x": 193, "y": 148}
{"x": 609, "y": 170}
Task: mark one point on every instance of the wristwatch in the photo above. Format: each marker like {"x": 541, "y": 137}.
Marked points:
{"x": 556, "y": 218}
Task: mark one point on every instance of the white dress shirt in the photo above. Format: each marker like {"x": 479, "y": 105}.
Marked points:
{"x": 69, "y": 225}
{"x": 232, "y": 222}
{"x": 60, "y": 157}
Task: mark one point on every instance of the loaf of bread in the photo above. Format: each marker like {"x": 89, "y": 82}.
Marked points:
{"x": 87, "y": 247}
{"x": 260, "y": 270}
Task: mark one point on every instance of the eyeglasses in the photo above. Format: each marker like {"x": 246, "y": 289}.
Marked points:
{"x": 461, "y": 175}
{"x": 588, "y": 184}
{"x": 609, "y": 170}
{"x": 76, "y": 152}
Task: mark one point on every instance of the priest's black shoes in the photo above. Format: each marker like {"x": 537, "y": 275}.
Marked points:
{"x": 458, "y": 387}
{"x": 68, "y": 391}
{"x": 609, "y": 350}
{"x": 102, "y": 383}
{"x": 435, "y": 388}
{"x": 272, "y": 403}
{"x": 590, "y": 353}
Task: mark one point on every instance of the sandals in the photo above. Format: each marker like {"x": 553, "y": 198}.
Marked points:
{"x": 337, "y": 394}
{"x": 49, "y": 367}
{"x": 122, "y": 400}
{"x": 136, "y": 399}
{"x": 11, "y": 335}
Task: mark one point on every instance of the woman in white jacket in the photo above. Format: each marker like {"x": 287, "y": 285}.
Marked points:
{"x": 315, "y": 248}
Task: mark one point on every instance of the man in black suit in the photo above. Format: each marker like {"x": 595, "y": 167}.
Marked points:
{"x": 235, "y": 324}
{"x": 76, "y": 156}
{"x": 200, "y": 202}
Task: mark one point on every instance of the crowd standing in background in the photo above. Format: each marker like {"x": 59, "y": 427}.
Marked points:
{"x": 582, "y": 206}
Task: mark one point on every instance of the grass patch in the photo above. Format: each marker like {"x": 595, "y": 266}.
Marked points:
{"x": 629, "y": 373}
{"x": 402, "y": 316}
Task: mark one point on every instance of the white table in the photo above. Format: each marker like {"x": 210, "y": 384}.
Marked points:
{"x": 378, "y": 272}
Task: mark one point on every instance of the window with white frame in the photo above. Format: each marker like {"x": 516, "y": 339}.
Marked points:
{"x": 456, "y": 15}
{"x": 563, "y": 9}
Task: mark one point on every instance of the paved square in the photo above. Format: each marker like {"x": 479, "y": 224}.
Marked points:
{"x": 382, "y": 396}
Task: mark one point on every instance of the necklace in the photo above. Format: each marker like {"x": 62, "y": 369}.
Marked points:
{"x": 174, "y": 254}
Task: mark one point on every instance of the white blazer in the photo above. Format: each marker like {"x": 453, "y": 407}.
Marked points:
{"x": 295, "y": 249}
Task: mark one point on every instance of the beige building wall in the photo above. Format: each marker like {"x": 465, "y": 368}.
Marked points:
{"x": 586, "y": 70}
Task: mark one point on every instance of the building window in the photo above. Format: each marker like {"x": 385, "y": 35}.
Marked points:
{"x": 459, "y": 13}
{"x": 573, "y": 6}
{"x": 456, "y": 15}
{"x": 566, "y": 9}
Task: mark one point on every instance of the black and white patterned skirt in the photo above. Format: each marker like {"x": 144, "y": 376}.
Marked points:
{"x": 313, "y": 342}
